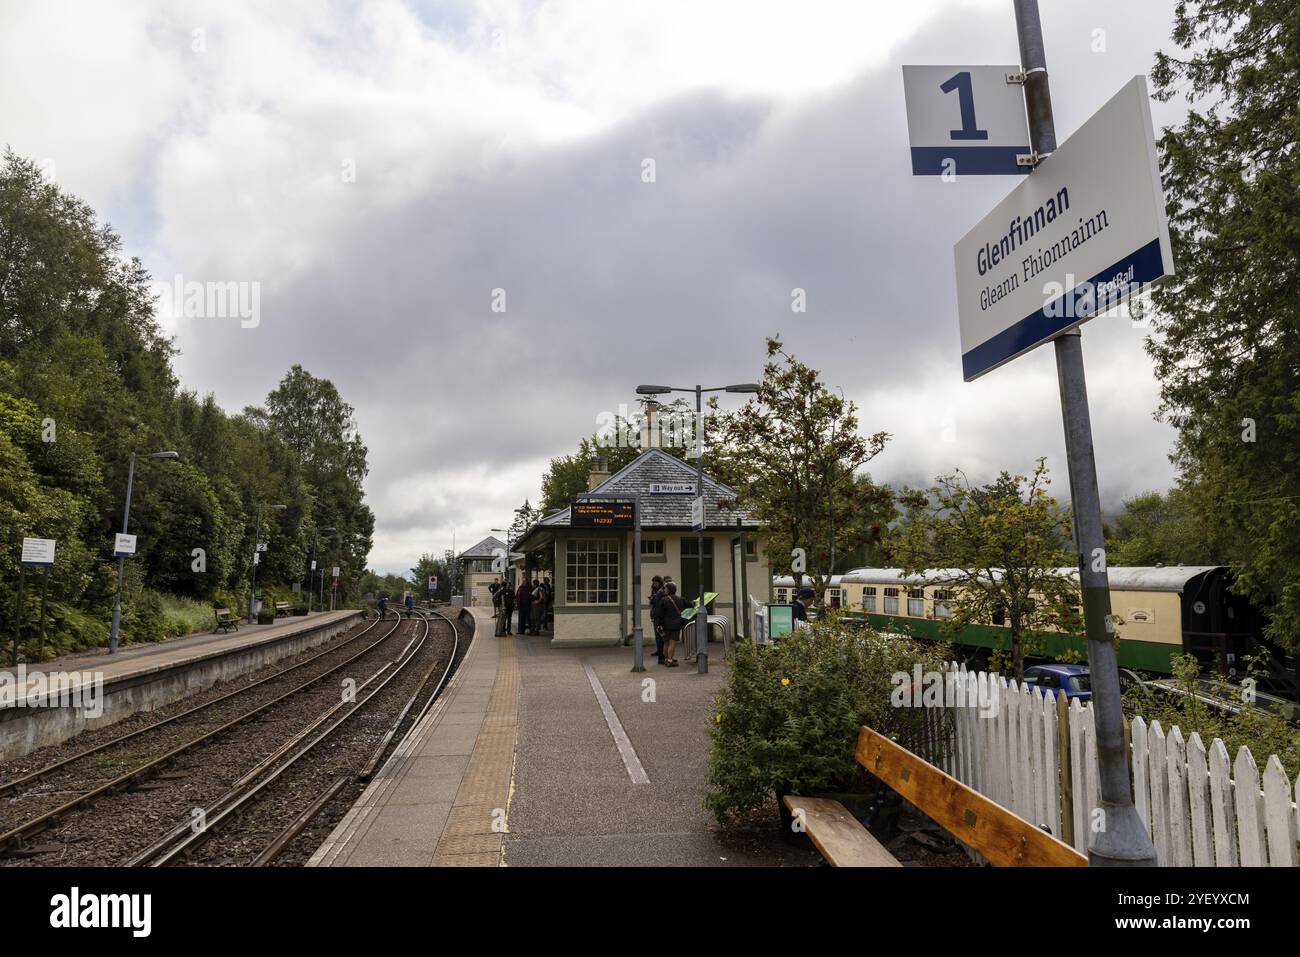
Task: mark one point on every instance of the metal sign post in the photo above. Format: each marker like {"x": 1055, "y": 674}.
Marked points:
{"x": 1120, "y": 839}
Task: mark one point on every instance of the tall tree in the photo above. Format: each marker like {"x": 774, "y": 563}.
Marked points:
{"x": 792, "y": 453}
{"x": 1000, "y": 547}
{"x": 1226, "y": 339}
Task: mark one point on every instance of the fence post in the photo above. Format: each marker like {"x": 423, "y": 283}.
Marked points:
{"x": 1063, "y": 762}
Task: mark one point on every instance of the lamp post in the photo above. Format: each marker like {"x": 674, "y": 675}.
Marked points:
{"x": 747, "y": 388}
{"x": 257, "y": 535}
{"x": 121, "y": 560}
{"x": 311, "y": 578}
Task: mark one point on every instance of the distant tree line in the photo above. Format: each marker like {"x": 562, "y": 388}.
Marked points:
{"x": 86, "y": 379}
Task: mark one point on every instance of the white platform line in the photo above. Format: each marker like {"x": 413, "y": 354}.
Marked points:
{"x": 633, "y": 764}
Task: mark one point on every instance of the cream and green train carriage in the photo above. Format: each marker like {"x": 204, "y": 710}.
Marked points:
{"x": 1164, "y": 611}
{"x": 783, "y": 590}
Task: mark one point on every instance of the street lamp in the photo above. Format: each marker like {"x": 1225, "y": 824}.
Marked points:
{"x": 701, "y": 639}
{"x": 257, "y": 534}
{"x": 121, "y": 560}
{"x": 311, "y": 578}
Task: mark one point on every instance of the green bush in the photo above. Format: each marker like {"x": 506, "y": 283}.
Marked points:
{"x": 183, "y": 616}
{"x": 787, "y": 719}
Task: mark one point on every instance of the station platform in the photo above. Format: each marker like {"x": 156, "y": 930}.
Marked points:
{"x": 544, "y": 756}
{"x": 50, "y": 702}
{"x": 136, "y": 660}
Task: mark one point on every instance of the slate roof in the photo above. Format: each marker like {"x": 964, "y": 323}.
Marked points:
{"x": 485, "y": 549}
{"x": 664, "y": 511}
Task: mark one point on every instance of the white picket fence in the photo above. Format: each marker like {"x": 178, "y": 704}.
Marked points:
{"x": 1029, "y": 753}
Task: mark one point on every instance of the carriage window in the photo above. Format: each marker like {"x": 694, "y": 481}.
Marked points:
{"x": 891, "y": 601}
{"x": 941, "y": 607}
{"x": 834, "y": 597}
{"x": 916, "y": 603}
{"x": 999, "y": 617}
{"x": 869, "y": 599}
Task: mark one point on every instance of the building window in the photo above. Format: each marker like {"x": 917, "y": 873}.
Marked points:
{"x": 591, "y": 571}
{"x": 916, "y": 603}
{"x": 941, "y": 607}
{"x": 652, "y": 546}
{"x": 891, "y": 601}
{"x": 751, "y": 548}
{"x": 869, "y": 599}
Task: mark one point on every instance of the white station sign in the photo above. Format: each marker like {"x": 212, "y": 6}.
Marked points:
{"x": 965, "y": 120}
{"x": 38, "y": 551}
{"x": 1081, "y": 235}
{"x": 123, "y": 546}
{"x": 697, "y": 512}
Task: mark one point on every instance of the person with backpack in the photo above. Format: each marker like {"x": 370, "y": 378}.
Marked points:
{"x": 670, "y": 607}
{"x": 507, "y": 607}
{"x": 539, "y": 607}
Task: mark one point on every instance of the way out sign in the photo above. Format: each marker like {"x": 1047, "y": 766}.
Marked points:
{"x": 1083, "y": 234}
{"x": 966, "y": 120}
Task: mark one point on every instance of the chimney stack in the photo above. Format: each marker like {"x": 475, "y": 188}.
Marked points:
{"x": 650, "y": 425}
{"x": 599, "y": 472}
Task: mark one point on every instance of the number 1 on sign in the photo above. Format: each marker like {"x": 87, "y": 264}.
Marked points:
{"x": 969, "y": 129}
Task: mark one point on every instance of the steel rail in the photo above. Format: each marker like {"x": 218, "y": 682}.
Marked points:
{"x": 176, "y": 843}
{"x": 11, "y": 839}
{"x": 7, "y": 786}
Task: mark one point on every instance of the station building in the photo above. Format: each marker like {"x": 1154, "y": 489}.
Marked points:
{"x": 476, "y": 567}
{"x": 594, "y": 600}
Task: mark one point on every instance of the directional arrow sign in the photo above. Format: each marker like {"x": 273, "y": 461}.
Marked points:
{"x": 1080, "y": 236}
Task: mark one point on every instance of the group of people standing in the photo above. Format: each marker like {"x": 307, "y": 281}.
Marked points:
{"x": 534, "y": 601}
{"x": 666, "y": 607}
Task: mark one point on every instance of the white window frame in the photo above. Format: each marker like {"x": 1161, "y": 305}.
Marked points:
{"x": 587, "y": 563}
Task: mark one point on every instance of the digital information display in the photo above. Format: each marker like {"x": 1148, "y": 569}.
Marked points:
{"x": 598, "y": 514}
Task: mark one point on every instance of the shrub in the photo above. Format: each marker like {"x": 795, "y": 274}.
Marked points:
{"x": 183, "y": 616}
{"x": 787, "y": 719}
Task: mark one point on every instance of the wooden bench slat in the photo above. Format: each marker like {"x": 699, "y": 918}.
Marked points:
{"x": 838, "y": 835}
{"x": 1004, "y": 838}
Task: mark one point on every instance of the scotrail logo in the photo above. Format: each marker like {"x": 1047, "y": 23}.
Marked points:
{"x": 944, "y": 689}
{"x": 75, "y": 910}
{"x": 54, "y": 689}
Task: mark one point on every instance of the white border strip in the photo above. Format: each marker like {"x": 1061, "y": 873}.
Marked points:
{"x": 633, "y": 764}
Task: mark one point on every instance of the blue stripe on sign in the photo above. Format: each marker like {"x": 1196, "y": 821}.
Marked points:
{"x": 1148, "y": 266}
{"x": 968, "y": 160}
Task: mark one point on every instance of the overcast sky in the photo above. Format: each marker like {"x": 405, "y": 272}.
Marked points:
{"x": 379, "y": 168}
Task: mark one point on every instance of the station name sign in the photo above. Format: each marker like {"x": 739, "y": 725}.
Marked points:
{"x": 1076, "y": 239}
{"x": 590, "y": 513}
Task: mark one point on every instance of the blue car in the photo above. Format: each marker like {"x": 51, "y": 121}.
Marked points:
{"x": 1069, "y": 680}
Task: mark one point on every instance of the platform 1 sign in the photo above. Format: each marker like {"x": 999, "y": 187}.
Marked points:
{"x": 965, "y": 120}
{"x": 1083, "y": 234}
{"x": 123, "y": 546}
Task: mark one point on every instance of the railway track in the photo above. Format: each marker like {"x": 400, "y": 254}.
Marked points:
{"x": 41, "y": 798}
{"x": 275, "y": 802}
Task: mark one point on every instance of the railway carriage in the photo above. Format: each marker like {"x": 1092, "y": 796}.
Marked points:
{"x": 1164, "y": 611}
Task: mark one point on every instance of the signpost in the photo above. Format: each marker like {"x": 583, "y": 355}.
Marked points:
{"x": 672, "y": 488}
{"x": 123, "y": 546}
{"x": 38, "y": 552}
{"x": 1083, "y": 234}
{"x": 697, "y": 515}
{"x": 965, "y": 120}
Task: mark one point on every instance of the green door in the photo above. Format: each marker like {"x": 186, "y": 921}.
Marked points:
{"x": 690, "y": 583}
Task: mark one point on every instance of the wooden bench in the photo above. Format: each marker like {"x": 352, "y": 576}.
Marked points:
{"x": 1002, "y": 837}
{"x": 225, "y": 620}
{"x": 281, "y": 609}
{"x": 837, "y": 834}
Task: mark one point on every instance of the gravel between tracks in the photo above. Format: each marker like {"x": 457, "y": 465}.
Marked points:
{"x": 193, "y": 779}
